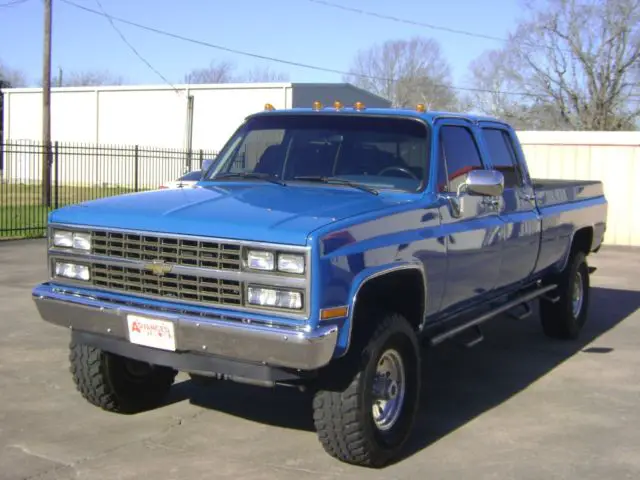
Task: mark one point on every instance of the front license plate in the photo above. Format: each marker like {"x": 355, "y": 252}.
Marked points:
{"x": 151, "y": 332}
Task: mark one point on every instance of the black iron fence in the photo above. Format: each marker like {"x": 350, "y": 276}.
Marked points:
{"x": 29, "y": 189}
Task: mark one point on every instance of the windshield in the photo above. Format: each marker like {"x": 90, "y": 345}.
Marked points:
{"x": 381, "y": 152}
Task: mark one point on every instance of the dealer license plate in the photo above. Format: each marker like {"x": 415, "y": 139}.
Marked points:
{"x": 151, "y": 332}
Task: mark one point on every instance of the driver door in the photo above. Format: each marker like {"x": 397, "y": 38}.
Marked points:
{"x": 471, "y": 224}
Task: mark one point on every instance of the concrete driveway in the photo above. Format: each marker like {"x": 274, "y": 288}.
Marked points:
{"x": 516, "y": 406}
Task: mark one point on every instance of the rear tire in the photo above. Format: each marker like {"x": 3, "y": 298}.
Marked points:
{"x": 564, "y": 319}
{"x": 367, "y": 420}
{"x": 118, "y": 384}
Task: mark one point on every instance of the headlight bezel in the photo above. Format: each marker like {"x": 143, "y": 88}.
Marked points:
{"x": 75, "y": 240}
{"x": 275, "y": 308}
{"x": 276, "y": 255}
{"x": 74, "y": 265}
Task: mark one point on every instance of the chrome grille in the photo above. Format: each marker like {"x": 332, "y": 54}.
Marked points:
{"x": 178, "y": 251}
{"x": 184, "y": 287}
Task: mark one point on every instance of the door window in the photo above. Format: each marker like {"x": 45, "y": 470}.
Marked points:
{"x": 459, "y": 155}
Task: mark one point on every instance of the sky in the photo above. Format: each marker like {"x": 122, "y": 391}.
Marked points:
{"x": 296, "y": 30}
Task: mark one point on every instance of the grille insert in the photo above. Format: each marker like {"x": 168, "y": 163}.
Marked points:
{"x": 205, "y": 290}
{"x": 178, "y": 251}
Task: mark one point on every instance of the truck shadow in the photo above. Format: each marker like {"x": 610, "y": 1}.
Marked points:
{"x": 459, "y": 384}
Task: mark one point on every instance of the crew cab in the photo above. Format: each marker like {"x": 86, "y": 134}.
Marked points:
{"x": 323, "y": 249}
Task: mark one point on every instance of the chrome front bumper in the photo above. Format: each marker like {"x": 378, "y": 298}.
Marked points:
{"x": 245, "y": 342}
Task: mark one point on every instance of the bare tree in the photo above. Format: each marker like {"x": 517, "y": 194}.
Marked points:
{"x": 87, "y": 78}
{"x": 264, "y": 75}
{"x": 405, "y": 72}
{"x": 216, "y": 72}
{"x": 11, "y": 78}
{"x": 224, "y": 72}
{"x": 576, "y": 59}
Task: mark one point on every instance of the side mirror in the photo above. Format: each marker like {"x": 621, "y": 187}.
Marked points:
{"x": 488, "y": 183}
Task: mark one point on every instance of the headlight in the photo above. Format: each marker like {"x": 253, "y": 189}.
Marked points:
{"x": 73, "y": 271}
{"x": 258, "y": 260}
{"x": 274, "y": 261}
{"x": 76, "y": 240}
{"x": 290, "y": 263}
{"x": 271, "y": 297}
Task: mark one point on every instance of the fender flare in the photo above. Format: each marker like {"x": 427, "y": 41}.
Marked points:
{"x": 366, "y": 276}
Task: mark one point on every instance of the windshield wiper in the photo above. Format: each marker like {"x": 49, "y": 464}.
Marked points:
{"x": 336, "y": 181}
{"x": 261, "y": 176}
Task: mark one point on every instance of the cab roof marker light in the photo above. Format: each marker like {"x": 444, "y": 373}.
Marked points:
{"x": 337, "y": 105}
{"x": 359, "y": 106}
{"x": 421, "y": 108}
{"x": 317, "y": 105}
{"x": 268, "y": 106}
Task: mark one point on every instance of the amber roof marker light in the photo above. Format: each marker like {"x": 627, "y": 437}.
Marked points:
{"x": 359, "y": 106}
{"x": 337, "y": 105}
{"x": 317, "y": 105}
{"x": 421, "y": 108}
{"x": 268, "y": 106}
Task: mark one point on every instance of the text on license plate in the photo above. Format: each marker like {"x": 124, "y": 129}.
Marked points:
{"x": 151, "y": 332}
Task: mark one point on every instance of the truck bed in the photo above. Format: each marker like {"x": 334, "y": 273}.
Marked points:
{"x": 566, "y": 206}
{"x": 554, "y": 191}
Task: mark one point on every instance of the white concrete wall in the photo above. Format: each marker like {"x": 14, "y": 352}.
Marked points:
{"x": 611, "y": 157}
{"x": 139, "y": 115}
{"x": 157, "y": 115}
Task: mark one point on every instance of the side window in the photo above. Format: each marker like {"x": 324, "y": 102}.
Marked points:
{"x": 502, "y": 156}
{"x": 460, "y": 154}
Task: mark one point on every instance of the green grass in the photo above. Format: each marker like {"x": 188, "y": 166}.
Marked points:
{"x": 22, "y": 214}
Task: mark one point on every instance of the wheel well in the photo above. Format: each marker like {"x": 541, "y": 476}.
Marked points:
{"x": 582, "y": 240}
{"x": 400, "y": 291}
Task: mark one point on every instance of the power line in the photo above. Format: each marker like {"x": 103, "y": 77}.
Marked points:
{"x": 406, "y": 21}
{"x": 133, "y": 49}
{"x": 280, "y": 60}
{"x": 423, "y": 24}
{"x": 13, "y": 3}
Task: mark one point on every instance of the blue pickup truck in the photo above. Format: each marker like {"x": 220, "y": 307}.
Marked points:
{"x": 324, "y": 249}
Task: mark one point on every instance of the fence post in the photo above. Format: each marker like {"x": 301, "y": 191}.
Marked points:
{"x": 136, "y": 163}
{"x": 46, "y": 174}
{"x": 56, "y": 192}
{"x": 201, "y": 156}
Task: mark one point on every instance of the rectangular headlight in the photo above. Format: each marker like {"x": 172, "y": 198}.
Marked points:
{"x": 259, "y": 260}
{"x": 290, "y": 263}
{"x": 73, "y": 271}
{"x": 271, "y": 297}
{"x": 62, "y": 238}
{"x": 82, "y": 241}
{"x": 76, "y": 240}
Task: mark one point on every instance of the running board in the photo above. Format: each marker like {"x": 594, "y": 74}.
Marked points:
{"x": 528, "y": 311}
{"x": 523, "y": 299}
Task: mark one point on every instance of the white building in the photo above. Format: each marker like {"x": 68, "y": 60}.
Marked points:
{"x": 158, "y": 116}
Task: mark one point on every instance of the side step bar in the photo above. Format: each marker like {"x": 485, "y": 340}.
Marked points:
{"x": 523, "y": 299}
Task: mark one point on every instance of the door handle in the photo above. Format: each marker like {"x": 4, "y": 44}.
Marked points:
{"x": 527, "y": 198}
{"x": 490, "y": 202}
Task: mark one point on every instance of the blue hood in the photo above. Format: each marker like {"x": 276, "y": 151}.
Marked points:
{"x": 266, "y": 213}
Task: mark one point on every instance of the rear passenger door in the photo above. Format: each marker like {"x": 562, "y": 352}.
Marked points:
{"x": 517, "y": 210}
{"x": 472, "y": 235}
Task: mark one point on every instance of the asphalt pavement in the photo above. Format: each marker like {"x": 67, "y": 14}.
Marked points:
{"x": 516, "y": 406}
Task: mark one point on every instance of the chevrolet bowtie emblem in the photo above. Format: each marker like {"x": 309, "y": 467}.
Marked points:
{"x": 158, "y": 267}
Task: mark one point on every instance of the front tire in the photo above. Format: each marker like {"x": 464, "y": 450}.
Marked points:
{"x": 368, "y": 420}
{"x": 565, "y": 318}
{"x": 118, "y": 384}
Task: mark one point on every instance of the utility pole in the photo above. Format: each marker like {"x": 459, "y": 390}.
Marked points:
{"x": 46, "y": 107}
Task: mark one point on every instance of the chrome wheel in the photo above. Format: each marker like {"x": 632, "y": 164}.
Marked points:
{"x": 388, "y": 390}
{"x": 577, "y": 294}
